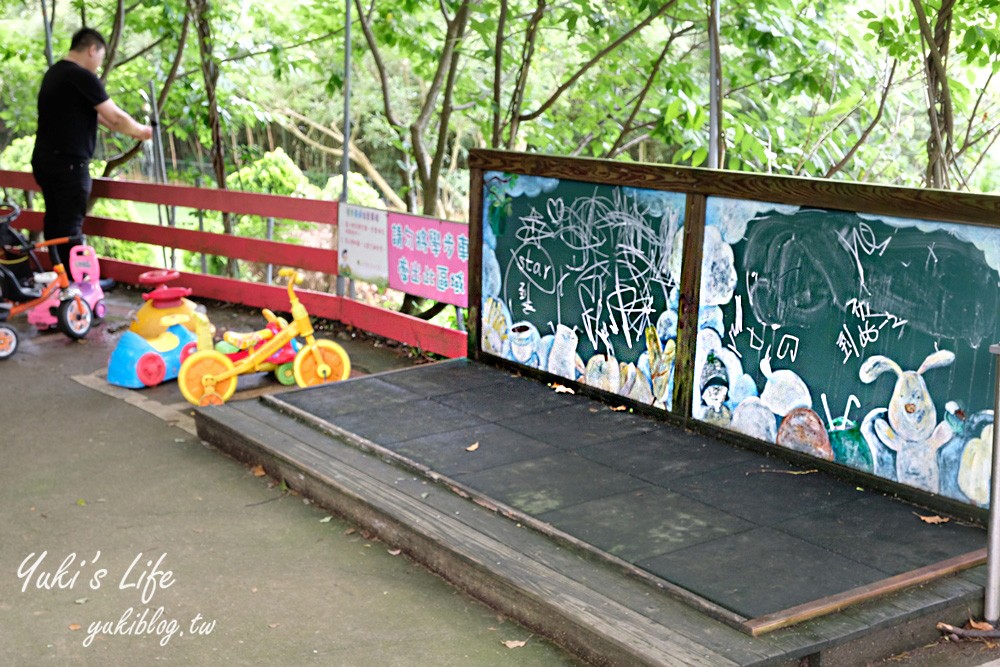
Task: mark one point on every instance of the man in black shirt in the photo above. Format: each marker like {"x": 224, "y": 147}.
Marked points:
{"x": 71, "y": 101}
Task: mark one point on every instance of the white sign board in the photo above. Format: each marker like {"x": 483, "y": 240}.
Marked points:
{"x": 362, "y": 244}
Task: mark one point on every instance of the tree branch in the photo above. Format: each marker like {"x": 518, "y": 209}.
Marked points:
{"x": 986, "y": 151}
{"x": 975, "y": 110}
{"x": 264, "y": 52}
{"x": 425, "y": 169}
{"x": 444, "y": 120}
{"x": 175, "y": 66}
{"x": 116, "y": 36}
{"x": 120, "y": 159}
{"x": 498, "y": 73}
{"x": 527, "y": 53}
{"x": 143, "y": 51}
{"x": 626, "y": 126}
{"x": 380, "y": 66}
{"x": 356, "y": 154}
{"x": 868, "y": 130}
{"x": 593, "y": 61}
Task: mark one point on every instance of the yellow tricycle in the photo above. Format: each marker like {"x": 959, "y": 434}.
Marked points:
{"x": 208, "y": 377}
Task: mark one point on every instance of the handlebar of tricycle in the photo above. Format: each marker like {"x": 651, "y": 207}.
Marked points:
{"x": 291, "y": 274}
{"x": 15, "y": 211}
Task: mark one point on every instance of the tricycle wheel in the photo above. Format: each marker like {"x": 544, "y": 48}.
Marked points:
{"x": 8, "y": 342}
{"x": 75, "y": 317}
{"x": 333, "y": 364}
{"x": 285, "y": 373}
{"x": 197, "y": 371}
{"x": 100, "y": 310}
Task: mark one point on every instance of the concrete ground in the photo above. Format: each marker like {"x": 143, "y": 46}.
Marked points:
{"x": 126, "y": 541}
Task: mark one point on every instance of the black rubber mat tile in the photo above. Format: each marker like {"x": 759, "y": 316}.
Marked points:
{"x": 760, "y": 571}
{"x": 506, "y": 398}
{"x": 765, "y": 491}
{"x": 343, "y": 398}
{"x": 405, "y": 421}
{"x": 644, "y": 523}
{"x": 444, "y": 377}
{"x": 541, "y": 485}
{"x": 448, "y": 453}
{"x": 582, "y": 424}
{"x": 885, "y": 534}
{"x": 665, "y": 453}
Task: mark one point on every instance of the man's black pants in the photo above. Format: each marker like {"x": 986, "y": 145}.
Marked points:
{"x": 66, "y": 187}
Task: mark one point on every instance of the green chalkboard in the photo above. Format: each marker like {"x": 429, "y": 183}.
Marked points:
{"x": 856, "y": 338}
{"x": 582, "y": 281}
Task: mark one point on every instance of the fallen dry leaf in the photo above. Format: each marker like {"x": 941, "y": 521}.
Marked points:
{"x": 560, "y": 389}
{"x": 514, "y": 643}
{"x": 395, "y": 552}
{"x": 273, "y": 625}
{"x": 473, "y": 447}
{"x": 932, "y": 519}
{"x": 75, "y": 626}
{"x": 620, "y": 408}
{"x": 980, "y": 625}
{"x": 258, "y": 470}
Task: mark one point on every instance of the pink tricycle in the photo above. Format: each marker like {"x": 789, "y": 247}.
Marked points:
{"x": 85, "y": 274}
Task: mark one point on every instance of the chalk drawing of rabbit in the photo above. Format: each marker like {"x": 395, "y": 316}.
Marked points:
{"x": 910, "y": 427}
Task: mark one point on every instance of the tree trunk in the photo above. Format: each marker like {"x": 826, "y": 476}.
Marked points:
{"x": 936, "y": 40}
{"x": 210, "y": 74}
{"x": 48, "y": 31}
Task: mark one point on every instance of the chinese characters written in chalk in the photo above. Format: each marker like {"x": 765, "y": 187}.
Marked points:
{"x": 852, "y": 342}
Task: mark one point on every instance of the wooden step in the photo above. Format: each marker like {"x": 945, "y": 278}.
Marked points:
{"x": 596, "y": 611}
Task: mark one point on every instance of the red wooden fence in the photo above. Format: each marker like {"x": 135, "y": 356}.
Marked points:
{"x": 387, "y": 323}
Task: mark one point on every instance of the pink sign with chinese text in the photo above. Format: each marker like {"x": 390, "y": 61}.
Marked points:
{"x": 429, "y": 258}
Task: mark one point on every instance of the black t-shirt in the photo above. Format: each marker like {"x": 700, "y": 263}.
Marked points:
{"x": 67, "y": 120}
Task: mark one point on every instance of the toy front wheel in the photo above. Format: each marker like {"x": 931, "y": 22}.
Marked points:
{"x": 196, "y": 375}
{"x": 8, "y": 342}
{"x": 188, "y": 350}
{"x": 151, "y": 369}
{"x": 75, "y": 318}
{"x": 333, "y": 365}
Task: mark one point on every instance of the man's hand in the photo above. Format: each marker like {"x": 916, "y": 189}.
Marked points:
{"x": 146, "y": 132}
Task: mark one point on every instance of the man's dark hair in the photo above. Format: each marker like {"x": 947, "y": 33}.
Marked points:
{"x": 84, "y": 38}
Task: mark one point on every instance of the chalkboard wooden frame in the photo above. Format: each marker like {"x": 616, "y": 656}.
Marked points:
{"x": 698, "y": 185}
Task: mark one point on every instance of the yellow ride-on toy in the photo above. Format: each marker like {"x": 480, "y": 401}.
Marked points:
{"x": 208, "y": 377}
